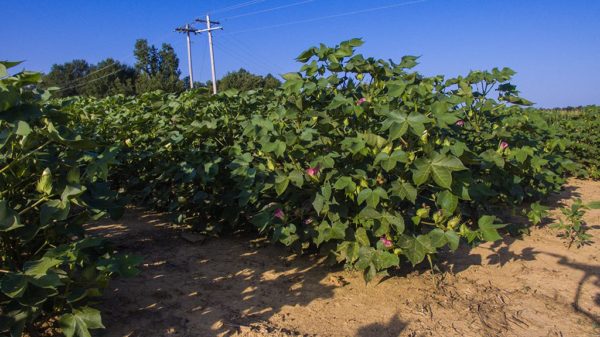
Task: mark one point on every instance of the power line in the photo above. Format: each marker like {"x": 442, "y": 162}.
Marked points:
{"x": 236, "y": 55}
{"x": 238, "y": 6}
{"x": 269, "y": 10}
{"x": 93, "y": 72}
{"x": 249, "y": 54}
{"x": 88, "y": 82}
{"x": 243, "y": 47}
{"x": 372, "y": 9}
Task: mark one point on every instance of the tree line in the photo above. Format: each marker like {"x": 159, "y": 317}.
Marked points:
{"x": 154, "y": 69}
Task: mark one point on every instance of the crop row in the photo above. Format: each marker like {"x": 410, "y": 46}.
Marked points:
{"x": 361, "y": 159}
{"x": 356, "y": 157}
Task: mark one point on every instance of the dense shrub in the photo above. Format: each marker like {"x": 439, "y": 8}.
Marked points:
{"x": 358, "y": 157}
{"x": 51, "y": 182}
{"x": 579, "y": 128}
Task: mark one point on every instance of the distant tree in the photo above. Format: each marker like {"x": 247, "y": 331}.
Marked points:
{"x": 68, "y": 76}
{"x": 110, "y": 77}
{"x": 270, "y": 82}
{"x": 79, "y": 78}
{"x": 156, "y": 69}
{"x": 186, "y": 83}
{"x": 243, "y": 80}
{"x": 147, "y": 61}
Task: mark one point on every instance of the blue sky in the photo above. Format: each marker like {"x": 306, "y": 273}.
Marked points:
{"x": 554, "y": 45}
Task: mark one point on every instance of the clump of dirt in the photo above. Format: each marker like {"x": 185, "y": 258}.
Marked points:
{"x": 237, "y": 286}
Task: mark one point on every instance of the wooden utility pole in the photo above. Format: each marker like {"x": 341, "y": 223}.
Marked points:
{"x": 209, "y": 30}
{"x": 187, "y": 30}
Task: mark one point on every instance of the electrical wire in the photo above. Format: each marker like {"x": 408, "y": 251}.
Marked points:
{"x": 269, "y": 10}
{"x": 93, "y": 72}
{"x": 246, "y": 49}
{"x": 238, "y": 6}
{"x": 88, "y": 82}
{"x": 372, "y": 9}
{"x": 237, "y": 56}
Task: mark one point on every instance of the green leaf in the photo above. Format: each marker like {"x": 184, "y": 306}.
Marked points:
{"x": 399, "y": 122}
{"x": 494, "y": 157}
{"x": 8, "y": 218}
{"x": 440, "y": 167}
{"x": 361, "y": 237}
{"x": 355, "y": 42}
{"x": 437, "y": 237}
{"x": 363, "y": 195}
{"x": 277, "y": 147}
{"x": 396, "y": 88}
{"x": 72, "y": 191}
{"x": 416, "y": 248}
{"x": 421, "y": 172}
{"x": 23, "y": 129}
{"x": 44, "y": 185}
{"x": 458, "y": 148}
{"x": 374, "y": 140}
{"x": 318, "y": 203}
{"x": 369, "y": 213}
{"x": 79, "y": 322}
{"x": 408, "y": 62}
{"x": 338, "y": 101}
{"x": 281, "y": 184}
{"x": 124, "y": 265}
{"x": 74, "y": 176}
{"x": 347, "y": 251}
{"x": 297, "y": 178}
{"x": 38, "y": 268}
{"x": 373, "y": 198}
{"x": 384, "y": 260}
{"x": 13, "y": 285}
{"x": 54, "y": 210}
{"x": 303, "y": 57}
{"x": 5, "y": 65}
{"x": 397, "y": 130}
{"x": 447, "y": 201}
{"x": 345, "y": 183}
{"x": 397, "y": 222}
{"x": 326, "y": 232}
{"x": 453, "y": 239}
{"x": 488, "y": 229}
{"x": 389, "y": 162}
{"x": 404, "y": 190}
{"x": 537, "y": 213}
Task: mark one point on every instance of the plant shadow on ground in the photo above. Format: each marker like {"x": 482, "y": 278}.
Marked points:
{"x": 206, "y": 289}
{"x": 511, "y": 249}
{"x": 235, "y": 285}
{"x": 392, "y": 328}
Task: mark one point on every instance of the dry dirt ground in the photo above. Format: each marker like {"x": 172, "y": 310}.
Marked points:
{"x": 533, "y": 286}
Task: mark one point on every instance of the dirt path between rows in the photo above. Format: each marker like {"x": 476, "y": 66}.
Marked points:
{"x": 240, "y": 287}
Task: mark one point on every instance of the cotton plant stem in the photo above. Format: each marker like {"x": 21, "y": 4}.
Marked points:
{"x": 25, "y": 156}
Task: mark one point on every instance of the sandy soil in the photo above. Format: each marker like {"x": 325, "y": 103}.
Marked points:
{"x": 240, "y": 287}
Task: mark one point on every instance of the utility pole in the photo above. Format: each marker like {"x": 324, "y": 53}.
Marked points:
{"x": 209, "y": 30}
{"x": 187, "y": 30}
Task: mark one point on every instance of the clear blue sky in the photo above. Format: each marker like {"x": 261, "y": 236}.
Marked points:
{"x": 554, "y": 45}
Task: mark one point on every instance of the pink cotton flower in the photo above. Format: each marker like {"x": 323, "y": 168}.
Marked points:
{"x": 503, "y": 145}
{"x": 308, "y": 221}
{"x": 279, "y": 214}
{"x": 361, "y": 101}
{"x": 460, "y": 123}
{"x": 312, "y": 171}
{"x": 386, "y": 243}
